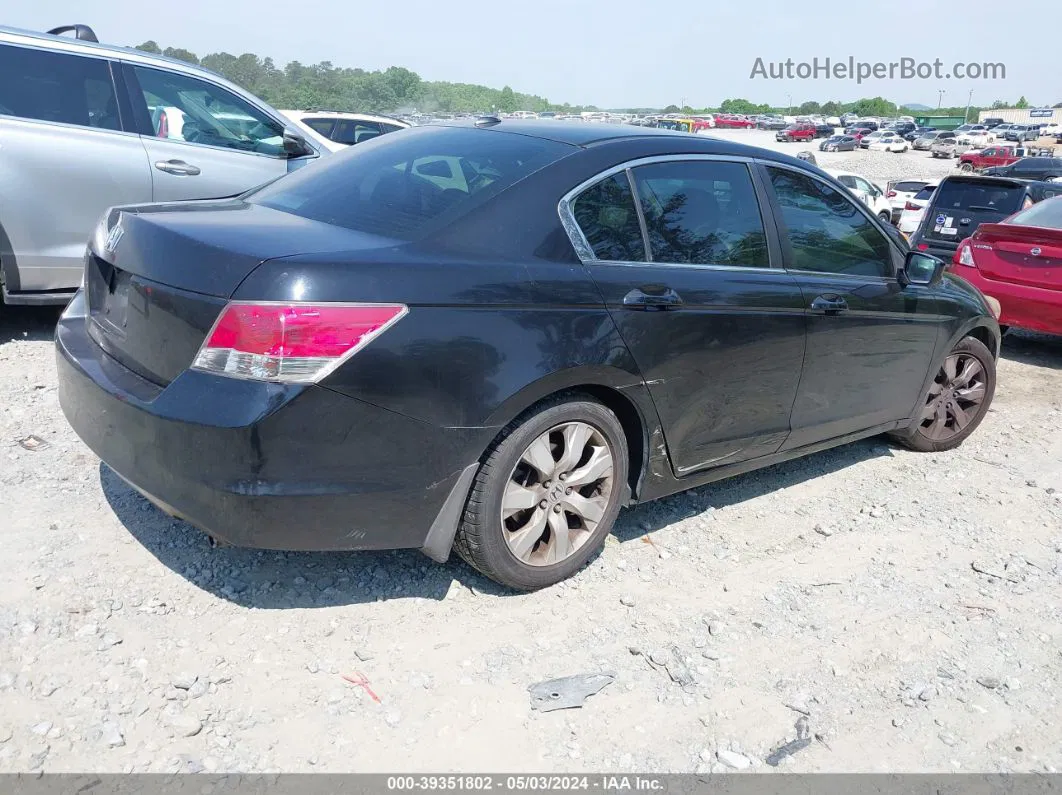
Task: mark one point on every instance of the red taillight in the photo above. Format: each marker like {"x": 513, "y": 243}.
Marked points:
{"x": 290, "y": 343}
{"x": 911, "y": 206}
{"x": 890, "y": 195}
{"x": 922, "y": 246}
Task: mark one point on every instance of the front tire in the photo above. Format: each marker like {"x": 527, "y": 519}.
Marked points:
{"x": 546, "y": 495}
{"x": 957, "y": 400}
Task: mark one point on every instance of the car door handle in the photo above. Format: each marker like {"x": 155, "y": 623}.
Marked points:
{"x": 829, "y": 304}
{"x": 639, "y": 299}
{"x": 178, "y": 167}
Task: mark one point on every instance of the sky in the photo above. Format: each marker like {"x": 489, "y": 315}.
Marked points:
{"x": 610, "y": 53}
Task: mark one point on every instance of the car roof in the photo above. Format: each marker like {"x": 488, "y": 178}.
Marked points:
{"x": 59, "y": 43}
{"x": 573, "y": 133}
{"x": 341, "y": 114}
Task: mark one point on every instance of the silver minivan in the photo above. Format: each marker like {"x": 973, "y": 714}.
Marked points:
{"x": 84, "y": 127}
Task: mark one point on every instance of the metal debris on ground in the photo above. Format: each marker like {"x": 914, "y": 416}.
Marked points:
{"x": 802, "y": 741}
{"x": 33, "y": 443}
{"x": 568, "y": 692}
{"x": 363, "y": 683}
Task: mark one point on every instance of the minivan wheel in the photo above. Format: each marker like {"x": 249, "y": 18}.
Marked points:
{"x": 956, "y": 401}
{"x": 546, "y": 494}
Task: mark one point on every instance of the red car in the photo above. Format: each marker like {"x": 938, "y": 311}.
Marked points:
{"x": 796, "y": 132}
{"x": 732, "y": 121}
{"x": 1019, "y": 263}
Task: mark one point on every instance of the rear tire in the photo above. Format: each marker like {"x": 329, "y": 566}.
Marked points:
{"x": 518, "y": 548}
{"x": 950, "y": 401}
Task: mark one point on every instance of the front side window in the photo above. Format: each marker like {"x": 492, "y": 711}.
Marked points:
{"x": 186, "y": 109}
{"x": 321, "y": 126}
{"x": 57, "y": 87}
{"x": 609, "y": 220}
{"x": 827, "y": 232}
{"x": 702, "y": 213}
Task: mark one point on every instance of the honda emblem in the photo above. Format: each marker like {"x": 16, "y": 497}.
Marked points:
{"x": 114, "y": 238}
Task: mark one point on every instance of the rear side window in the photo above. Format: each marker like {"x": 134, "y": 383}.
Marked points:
{"x": 57, "y": 87}
{"x": 827, "y": 232}
{"x": 322, "y": 126}
{"x": 408, "y": 186}
{"x": 702, "y": 212}
{"x": 608, "y": 218}
{"x": 350, "y": 131}
{"x": 984, "y": 197}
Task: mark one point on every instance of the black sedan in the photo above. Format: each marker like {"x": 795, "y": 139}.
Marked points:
{"x": 490, "y": 337}
{"x": 840, "y": 143}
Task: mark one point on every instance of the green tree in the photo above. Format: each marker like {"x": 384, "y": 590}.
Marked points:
{"x": 150, "y": 46}
{"x": 999, "y": 103}
{"x": 180, "y": 54}
{"x": 672, "y": 109}
{"x": 506, "y": 100}
{"x": 832, "y": 108}
{"x": 742, "y": 106}
{"x": 1021, "y": 103}
{"x": 876, "y": 106}
{"x": 807, "y": 108}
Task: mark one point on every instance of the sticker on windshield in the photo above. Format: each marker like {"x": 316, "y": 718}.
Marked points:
{"x": 949, "y": 231}
{"x": 940, "y": 219}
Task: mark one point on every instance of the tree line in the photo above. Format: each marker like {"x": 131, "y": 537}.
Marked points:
{"x": 399, "y": 90}
{"x": 326, "y": 86}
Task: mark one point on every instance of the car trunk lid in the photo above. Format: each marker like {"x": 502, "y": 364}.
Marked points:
{"x": 158, "y": 282}
{"x": 1026, "y": 255}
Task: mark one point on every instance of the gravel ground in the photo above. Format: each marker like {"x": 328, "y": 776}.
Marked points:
{"x": 879, "y": 167}
{"x": 881, "y": 610}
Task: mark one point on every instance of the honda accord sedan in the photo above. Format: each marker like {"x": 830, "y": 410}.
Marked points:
{"x": 491, "y": 336}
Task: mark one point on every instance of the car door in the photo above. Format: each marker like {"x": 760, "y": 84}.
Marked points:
{"x": 689, "y": 273}
{"x": 65, "y": 157}
{"x": 870, "y": 341}
{"x": 225, "y": 145}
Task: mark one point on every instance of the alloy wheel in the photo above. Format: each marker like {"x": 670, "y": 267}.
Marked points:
{"x": 955, "y": 397}
{"x": 557, "y": 493}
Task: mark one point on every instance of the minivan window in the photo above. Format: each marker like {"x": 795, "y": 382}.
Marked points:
{"x": 57, "y": 87}
{"x": 826, "y": 231}
{"x": 389, "y": 186}
{"x": 608, "y": 218}
{"x": 186, "y": 109}
{"x": 702, "y": 212}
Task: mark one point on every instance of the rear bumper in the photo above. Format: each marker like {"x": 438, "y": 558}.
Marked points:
{"x": 262, "y": 465}
{"x": 1032, "y": 308}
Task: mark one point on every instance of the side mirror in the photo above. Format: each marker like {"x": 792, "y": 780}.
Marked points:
{"x": 919, "y": 268}
{"x": 294, "y": 144}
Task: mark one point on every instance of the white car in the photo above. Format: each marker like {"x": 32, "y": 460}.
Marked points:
{"x": 977, "y": 135}
{"x": 1052, "y": 129}
{"x": 871, "y": 138}
{"x": 866, "y": 191}
{"x": 902, "y": 191}
{"x": 914, "y": 209}
{"x": 336, "y": 131}
{"x": 888, "y": 142}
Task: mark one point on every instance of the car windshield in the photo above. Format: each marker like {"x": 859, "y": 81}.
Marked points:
{"x": 981, "y": 196}
{"x": 408, "y": 186}
{"x": 1046, "y": 214}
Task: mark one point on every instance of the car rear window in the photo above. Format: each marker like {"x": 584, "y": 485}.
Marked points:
{"x": 408, "y": 186}
{"x": 909, "y": 187}
{"x": 982, "y": 197}
{"x": 1045, "y": 214}
{"x": 925, "y": 193}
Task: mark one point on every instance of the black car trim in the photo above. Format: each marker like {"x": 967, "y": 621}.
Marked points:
{"x": 640, "y": 212}
{"x": 440, "y": 539}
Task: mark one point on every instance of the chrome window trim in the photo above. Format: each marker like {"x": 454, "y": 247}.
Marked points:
{"x": 65, "y": 125}
{"x": 582, "y": 246}
{"x": 870, "y": 216}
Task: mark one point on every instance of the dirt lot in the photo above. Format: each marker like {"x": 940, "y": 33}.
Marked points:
{"x": 906, "y": 609}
